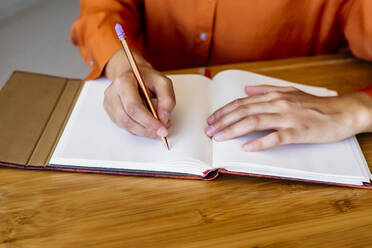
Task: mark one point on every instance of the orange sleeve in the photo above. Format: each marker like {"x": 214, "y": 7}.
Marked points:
{"x": 356, "y": 18}
{"x": 94, "y": 31}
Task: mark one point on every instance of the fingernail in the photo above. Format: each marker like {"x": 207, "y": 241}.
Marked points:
{"x": 248, "y": 148}
{"x": 211, "y": 119}
{"x": 165, "y": 113}
{"x": 219, "y": 136}
{"x": 162, "y": 132}
{"x": 210, "y": 130}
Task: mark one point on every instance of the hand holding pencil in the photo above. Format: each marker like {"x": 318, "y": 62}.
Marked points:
{"x": 123, "y": 101}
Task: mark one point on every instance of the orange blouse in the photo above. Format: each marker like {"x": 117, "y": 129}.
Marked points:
{"x": 188, "y": 33}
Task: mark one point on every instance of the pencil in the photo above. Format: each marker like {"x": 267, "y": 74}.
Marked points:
{"x": 122, "y": 37}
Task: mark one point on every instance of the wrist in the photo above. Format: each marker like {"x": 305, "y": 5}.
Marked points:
{"x": 363, "y": 112}
{"x": 118, "y": 65}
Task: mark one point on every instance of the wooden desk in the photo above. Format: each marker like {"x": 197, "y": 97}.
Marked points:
{"x": 55, "y": 209}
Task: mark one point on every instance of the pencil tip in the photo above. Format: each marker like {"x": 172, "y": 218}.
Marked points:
{"x": 166, "y": 142}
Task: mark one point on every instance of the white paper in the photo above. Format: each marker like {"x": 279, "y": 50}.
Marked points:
{"x": 91, "y": 139}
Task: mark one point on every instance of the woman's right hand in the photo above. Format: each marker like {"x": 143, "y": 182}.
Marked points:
{"x": 124, "y": 104}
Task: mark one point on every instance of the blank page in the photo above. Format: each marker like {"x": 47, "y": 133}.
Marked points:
{"x": 343, "y": 161}
{"x": 91, "y": 139}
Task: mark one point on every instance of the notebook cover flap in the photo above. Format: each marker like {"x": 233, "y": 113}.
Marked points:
{"x": 33, "y": 110}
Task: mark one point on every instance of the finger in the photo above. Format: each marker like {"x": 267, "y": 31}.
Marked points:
{"x": 133, "y": 105}
{"x": 169, "y": 124}
{"x": 163, "y": 88}
{"x": 115, "y": 110}
{"x": 263, "y": 89}
{"x": 239, "y": 114}
{"x": 218, "y": 114}
{"x": 250, "y": 124}
{"x": 264, "y": 97}
{"x": 281, "y": 137}
{"x": 278, "y": 100}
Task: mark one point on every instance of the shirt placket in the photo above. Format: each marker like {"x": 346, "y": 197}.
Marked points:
{"x": 205, "y": 15}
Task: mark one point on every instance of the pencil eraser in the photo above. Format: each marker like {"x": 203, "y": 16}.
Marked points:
{"x": 119, "y": 31}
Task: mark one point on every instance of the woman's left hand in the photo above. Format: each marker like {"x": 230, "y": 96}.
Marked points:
{"x": 296, "y": 116}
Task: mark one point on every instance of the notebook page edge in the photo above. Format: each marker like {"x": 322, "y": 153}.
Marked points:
{"x": 254, "y": 168}
{"x": 358, "y": 152}
{"x": 308, "y": 88}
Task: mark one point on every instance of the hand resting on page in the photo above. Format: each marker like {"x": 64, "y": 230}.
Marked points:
{"x": 296, "y": 117}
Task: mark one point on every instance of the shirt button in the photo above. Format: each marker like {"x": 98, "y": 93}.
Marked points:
{"x": 203, "y": 36}
{"x": 91, "y": 63}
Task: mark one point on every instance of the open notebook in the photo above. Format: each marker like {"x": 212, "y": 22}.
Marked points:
{"x": 91, "y": 140}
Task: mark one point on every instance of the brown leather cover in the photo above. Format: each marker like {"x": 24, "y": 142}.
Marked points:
{"x": 33, "y": 110}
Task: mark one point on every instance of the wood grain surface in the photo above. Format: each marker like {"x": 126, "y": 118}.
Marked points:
{"x": 56, "y": 209}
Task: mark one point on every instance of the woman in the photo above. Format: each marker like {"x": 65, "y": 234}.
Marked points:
{"x": 171, "y": 34}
